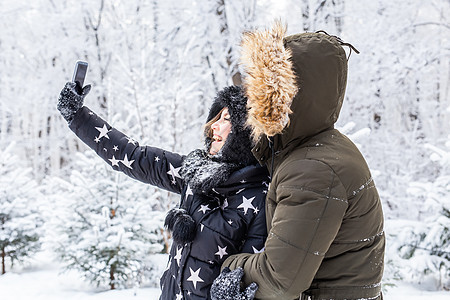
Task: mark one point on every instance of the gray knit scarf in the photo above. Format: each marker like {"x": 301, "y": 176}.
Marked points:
{"x": 203, "y": 171}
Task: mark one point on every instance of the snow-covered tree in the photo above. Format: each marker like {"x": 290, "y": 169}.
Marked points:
{"x": 323, "y": 15}
{"x": 424, "y": 244}
{"x": 110, "y": 226}
{"x": 20, "y": 220}
{"x": 156, "y": 65}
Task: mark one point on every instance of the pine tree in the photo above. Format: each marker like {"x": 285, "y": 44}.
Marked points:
{"x": 427, "y": 241}
{"x": 20, "y": 220}
{"x": 109, "y": 227}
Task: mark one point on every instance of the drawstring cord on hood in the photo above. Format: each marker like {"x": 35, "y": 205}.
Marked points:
{"x": 341, "y": 42}
{"x": 273, "y": 155}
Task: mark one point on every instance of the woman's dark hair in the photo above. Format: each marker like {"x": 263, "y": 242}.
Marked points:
{"x": 207, "y": 130}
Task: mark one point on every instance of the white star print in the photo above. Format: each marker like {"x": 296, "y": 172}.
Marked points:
{"x": 104, "y": 149}
{"x": 246, "y": 204}
{"x": 243, "y": 181}
{"x": 195, "y": 277}
{"x": 131, "y": 141}
{"x": 157, "y": 158}
{"x": 103, "y": 131}
{"x": 221, "y": 252}
{"x": 225, "y": 204}
{"x": 179, "y": 296}
{"x": 257, "y": 251}
{"x": 204, "y": 208}
{"x": 114, "y": 161}
{"x": 115, "y": 148}
{"x": 177, "y": 257}
{"x": 174, "y": 173}
{"x": 91, "y": 113}
{"x": 256, "y": 210}
{"x": 97, "y": 140}
{"x": 230, "y": 221}
{"x": 188, "y": 192}
{"x": 201, "y": 227}
{"x": 127, "y": 163}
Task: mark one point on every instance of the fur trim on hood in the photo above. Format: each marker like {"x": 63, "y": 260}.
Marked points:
{"x": 295, "y": 85}
{"x": 270, "y": 81}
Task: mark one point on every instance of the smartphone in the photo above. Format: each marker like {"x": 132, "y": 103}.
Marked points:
{"x": 79, "y": 74}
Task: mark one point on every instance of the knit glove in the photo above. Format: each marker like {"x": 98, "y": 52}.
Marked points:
{"x": 70, "y": 100}
{"x": 227, "y": 286}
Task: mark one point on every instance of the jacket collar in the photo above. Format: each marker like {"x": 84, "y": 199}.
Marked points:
{"x": 261, "y": 151}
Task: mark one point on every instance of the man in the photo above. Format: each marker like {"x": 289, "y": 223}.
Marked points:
{"x": 324, "y": 216}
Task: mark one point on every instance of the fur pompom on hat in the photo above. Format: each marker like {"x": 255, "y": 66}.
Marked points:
{"x": 270, "y": 84}
{"x": 181, "y": 224}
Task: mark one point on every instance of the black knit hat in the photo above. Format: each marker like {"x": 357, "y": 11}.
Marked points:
{"x": 238, "y": 145}
{"x": 203, "y": 172}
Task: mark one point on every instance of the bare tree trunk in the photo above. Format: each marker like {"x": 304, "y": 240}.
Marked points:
{"x": 166, "y": 237}
{"x": 155, "y": 21}
{"x": 3, "y": 254}
{"x": 233, "y": 70}
{"x": 100, "y": 56}
{"x": 111, "y": 277}
{"x": 305, "y": 15}
{"x": 339, "y": 10}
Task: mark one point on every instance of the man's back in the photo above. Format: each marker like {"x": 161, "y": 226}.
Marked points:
{"x": 355, "y": 256}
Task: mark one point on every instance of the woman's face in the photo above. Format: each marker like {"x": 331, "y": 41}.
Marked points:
{"x": 221, "y": 129}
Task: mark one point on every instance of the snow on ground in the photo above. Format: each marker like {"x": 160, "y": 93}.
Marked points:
{"x": 405, "y": 291}
{"x": 43, "y": 281}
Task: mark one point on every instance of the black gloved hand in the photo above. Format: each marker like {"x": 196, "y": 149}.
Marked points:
{"x": 70, "y": 101}
{"x": 227, "y": 286}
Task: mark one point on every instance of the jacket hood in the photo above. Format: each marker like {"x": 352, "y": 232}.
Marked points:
{"x": 295, "y": 85}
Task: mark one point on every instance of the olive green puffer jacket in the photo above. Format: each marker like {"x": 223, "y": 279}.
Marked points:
{"x": 324, "y": 216}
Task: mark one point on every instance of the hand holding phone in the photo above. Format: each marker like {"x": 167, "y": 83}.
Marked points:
{"x": 79, "y": 75}
{"x": 72, "y": 95}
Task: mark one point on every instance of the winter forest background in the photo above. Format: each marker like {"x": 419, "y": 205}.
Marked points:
{"x": 155, "y": 67}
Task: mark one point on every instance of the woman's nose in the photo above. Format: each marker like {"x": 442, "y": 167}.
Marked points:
{"x": 215, "y": 126}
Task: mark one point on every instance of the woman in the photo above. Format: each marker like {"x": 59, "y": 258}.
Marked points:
{"x": 222, "y": 188}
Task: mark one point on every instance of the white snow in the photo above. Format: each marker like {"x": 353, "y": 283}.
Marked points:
{"x": 43, "y": 281}
{"x": 405, "y": 291}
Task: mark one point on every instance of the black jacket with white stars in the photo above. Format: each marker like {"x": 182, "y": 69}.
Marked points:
{"x": 229, "y": 219}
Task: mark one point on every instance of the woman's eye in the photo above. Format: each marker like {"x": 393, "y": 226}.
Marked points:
{"x": 227, "y": 119}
